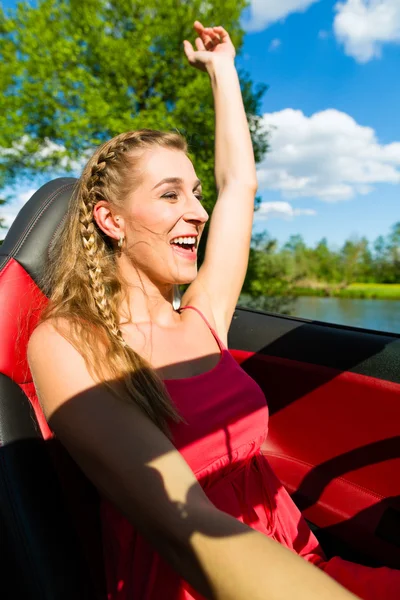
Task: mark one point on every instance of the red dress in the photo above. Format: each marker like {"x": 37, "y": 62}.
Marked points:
{"x": 226, "y": 424}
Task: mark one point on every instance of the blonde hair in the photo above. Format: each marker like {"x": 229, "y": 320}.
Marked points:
{"x": 83, "y": 283}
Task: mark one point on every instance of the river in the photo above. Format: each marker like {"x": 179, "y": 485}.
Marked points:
{"x": 382, "y": 315}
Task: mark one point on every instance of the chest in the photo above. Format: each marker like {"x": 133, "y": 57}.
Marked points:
{"x": 185, "y": 350}
{"x": 225, "y": 417}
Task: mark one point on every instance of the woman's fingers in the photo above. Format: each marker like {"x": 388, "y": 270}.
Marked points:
{"x": 225, "y": 39}
{"x": 213, "y": 35}
{"x": 207, "y": 40}
{"x": 198, "y": 25}
{"x": 222, "y": 33}
{"x": 205, "y": 34}
{"x": 189, "y": 51}
{"x": 199, "y": 44}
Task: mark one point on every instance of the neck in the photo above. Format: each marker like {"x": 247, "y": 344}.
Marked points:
{"x": 146, "y": 301}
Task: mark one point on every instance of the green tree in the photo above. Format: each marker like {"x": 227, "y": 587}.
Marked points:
{"x": 325, "y": 262}
{"x": 73, "y": 74}
{"x": 394, "y": 253}
{"x": 353, "y": 256}
{"x": 380, "y": 259}
{"x": 366, "y": 267}
{"x": 298, "y": 257}
{"x": 386, "y": 265}
{"x": 268, "y": 284}
{"x": 2, "y": 226}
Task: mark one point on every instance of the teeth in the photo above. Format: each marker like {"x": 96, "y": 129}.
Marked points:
{"x": 184, "y": 240}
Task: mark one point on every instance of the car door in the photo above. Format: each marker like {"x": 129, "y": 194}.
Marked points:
{"x": 334, "y": 437}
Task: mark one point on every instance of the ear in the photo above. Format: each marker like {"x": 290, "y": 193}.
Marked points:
{"x": 110, "y": 223}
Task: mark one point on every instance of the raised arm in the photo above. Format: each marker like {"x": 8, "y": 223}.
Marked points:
{"x": 135, "y": 465}
{"x": 223, "y": 271}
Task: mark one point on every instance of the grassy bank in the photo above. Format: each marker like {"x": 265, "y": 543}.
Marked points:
{"x": 371, "y": 291}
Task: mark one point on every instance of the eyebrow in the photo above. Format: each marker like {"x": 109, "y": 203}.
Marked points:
{"x": 176, "y": 180}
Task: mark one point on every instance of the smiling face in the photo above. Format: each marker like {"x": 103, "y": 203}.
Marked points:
{"x": 165, "y": 218}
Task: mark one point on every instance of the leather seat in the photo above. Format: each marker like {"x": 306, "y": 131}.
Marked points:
{"x": 50, "y": 544}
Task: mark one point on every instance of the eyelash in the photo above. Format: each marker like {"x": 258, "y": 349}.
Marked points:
{"x": 171, "y": 195}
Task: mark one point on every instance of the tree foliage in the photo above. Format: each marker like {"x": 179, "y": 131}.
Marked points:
{"x": 73, "y": 74}
{"x": 268, "y": 284}
{"x": 2, "y": 226}
{"x": 276, "y": 274}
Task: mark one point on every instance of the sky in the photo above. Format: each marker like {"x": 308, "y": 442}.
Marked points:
{"x": 332, "y": 110}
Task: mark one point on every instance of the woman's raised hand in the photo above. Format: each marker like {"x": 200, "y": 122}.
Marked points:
{"x": 212, "y": 43}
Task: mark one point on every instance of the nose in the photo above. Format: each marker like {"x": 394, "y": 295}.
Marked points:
{"x": 196, "y": 212}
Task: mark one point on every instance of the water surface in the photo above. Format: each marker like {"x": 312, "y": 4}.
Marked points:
{"x": 382, "y": 315}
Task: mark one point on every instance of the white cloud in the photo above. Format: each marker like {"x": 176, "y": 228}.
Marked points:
{"x": 327, "y": 156}
{"x": 266, "y": 12}
{"x": 19, "y": 195}
{"x": 9, "y": 211}
{"x": 48, "y": 149}
{"x": 363, "y": 26}
{"x": 21, "y": 145}
{"x": 323, "y": 35}
{"x": 274, "y": 45}
{"x": 284, "y": 210}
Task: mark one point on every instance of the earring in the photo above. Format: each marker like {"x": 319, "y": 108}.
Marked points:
{"x": 121, "y": 241}
{"x": 176, "y": 301}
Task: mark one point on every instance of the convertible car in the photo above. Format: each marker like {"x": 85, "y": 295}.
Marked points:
{"x": 334, "y": 441}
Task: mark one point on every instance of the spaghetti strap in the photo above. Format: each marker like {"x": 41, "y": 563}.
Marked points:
{"x": 220, "y": 344}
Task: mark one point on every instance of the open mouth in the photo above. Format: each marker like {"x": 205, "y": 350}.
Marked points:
{"x": 186, "y": 246}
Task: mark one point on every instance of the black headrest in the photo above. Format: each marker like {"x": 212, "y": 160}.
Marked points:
{"x": 49, "y": 521}
{"x": 35, "y": 226}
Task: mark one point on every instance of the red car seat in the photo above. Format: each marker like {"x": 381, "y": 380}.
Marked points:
{"x": 50, "y": 545}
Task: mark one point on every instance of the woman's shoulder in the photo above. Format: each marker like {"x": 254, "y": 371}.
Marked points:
{"x": 47, "y": 332}
{"x": 48, "y": 339}
{"x": 59, "y": 331}
{"x": 51, "y": 341}
{"x": 58, "y": 368}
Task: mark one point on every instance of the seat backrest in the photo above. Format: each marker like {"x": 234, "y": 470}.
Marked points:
{"x": 49, "y": 525}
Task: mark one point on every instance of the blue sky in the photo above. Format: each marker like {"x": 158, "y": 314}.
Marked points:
{"x": 333, "y": 110}
{"x": 338, "y": 65}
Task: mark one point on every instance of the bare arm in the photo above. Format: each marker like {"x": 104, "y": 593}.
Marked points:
{"x": 222, "y": 273}
{"x": 133, "y": 464}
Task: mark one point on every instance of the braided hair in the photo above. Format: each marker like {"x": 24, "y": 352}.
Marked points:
{"x": 91, "y": 191}
{"x": 83, "y": 284}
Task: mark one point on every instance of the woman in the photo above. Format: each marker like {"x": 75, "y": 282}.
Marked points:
{"x": 122, "y": 372}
